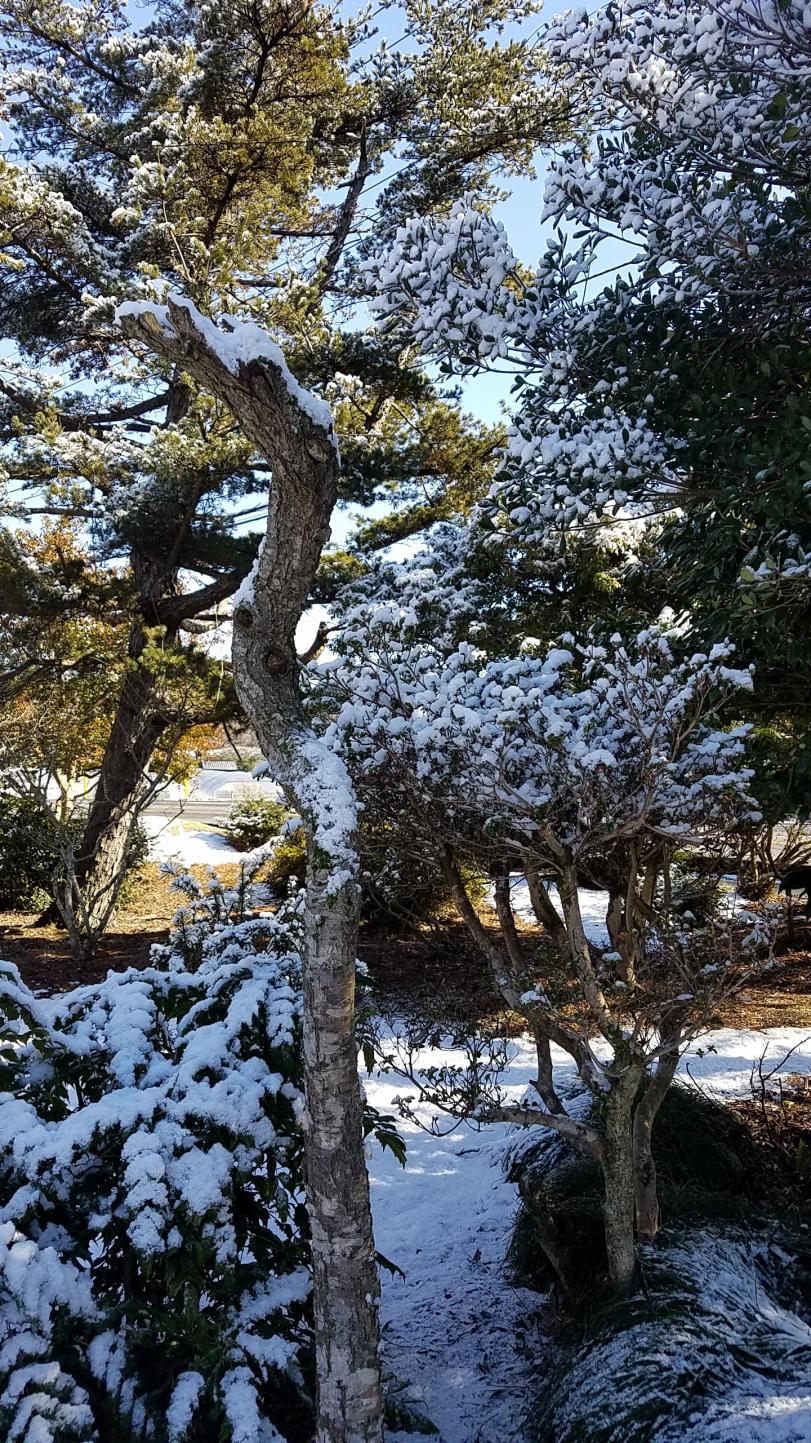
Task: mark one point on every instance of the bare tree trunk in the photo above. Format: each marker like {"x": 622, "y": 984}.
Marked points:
{"x": 645, "y": 1113}
{"x": 86, "y": 894}
{"x": 134, "y": 735}
{"x": 548, "y": 1236}
{"x": 86, "y": 906}
{"x": 121, "y": 791}
{"x": 87, "y": 884}
{"x": 646, "y": 1192}
{"x": 500, "y": 968}
{"x": 617, "y": 1163}
{"x": 281, "y": 421}
{"x": 345, "y": 1278}
{"x": 545, "y": 910}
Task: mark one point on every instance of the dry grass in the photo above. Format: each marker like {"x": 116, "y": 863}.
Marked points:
{"x": 42, "y": 953}
{"x": 436, "y": 971}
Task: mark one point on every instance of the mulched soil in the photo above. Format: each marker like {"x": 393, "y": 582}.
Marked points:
{"x": 43, "y": 956}
{"x": 436, "y": 972}
{"x": 440, "y": 972}
{"x": 781, "y": 998}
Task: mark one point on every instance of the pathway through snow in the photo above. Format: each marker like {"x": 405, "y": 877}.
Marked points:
{"x": 468, "y": 1343}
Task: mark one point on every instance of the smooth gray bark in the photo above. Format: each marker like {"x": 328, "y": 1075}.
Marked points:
{"x": 617, "y": 1162}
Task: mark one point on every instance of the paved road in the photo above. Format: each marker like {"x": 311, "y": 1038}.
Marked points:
{"x": 188, "y": 810}
{"x": 185, "y": 811}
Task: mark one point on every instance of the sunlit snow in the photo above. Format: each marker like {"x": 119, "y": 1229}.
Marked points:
{"x": 467, "y": 1341}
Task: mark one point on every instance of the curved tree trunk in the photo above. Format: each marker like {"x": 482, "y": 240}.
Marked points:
{"x": 89, "y": 880}
{"x": 121, "y": 792}
{"x": 545, "y": 910}
{"x": 283, "y": 423}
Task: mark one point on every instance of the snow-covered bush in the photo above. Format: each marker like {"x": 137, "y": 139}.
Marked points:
{"x": 715, "y": 1351}
{"x": 257, "y": 822}
{"x": 562, "y": 764}
{"x": 709, "y": 1166}
{"x": 252, "y": 820}
{"x": 660, "y": 347}
{"x": 154, "y": 1266}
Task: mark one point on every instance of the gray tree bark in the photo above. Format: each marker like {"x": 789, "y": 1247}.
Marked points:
{"x": 617, "y": 1162}
{"x": 305, "y": 470}
{"x": 654, "y": 1091}
{"x": 544, "y": 909}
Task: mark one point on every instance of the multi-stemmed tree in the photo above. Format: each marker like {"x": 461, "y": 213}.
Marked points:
{"x": 242, "y": 156}
{"x": 558, "y": 765}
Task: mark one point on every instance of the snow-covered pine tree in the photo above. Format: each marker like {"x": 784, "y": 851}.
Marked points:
{"x": 136, "y": 157}
{"x": 241, "y": 155}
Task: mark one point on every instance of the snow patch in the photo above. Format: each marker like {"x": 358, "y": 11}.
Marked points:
{"x": 172, "y": 842}
{"x": 465, "y": 1339}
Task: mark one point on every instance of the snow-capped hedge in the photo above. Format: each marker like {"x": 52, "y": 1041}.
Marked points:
{"x": 154, "y": 1274}
{"x": 711, "y": 1352}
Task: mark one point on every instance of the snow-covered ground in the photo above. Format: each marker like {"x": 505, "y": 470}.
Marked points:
{"x": 466, "y": 1340}
{"x": 466, "y": 1343}
{"x": 171, "y": 841}
{"x": 593, "y": 908}
{"x": 454, "y": 1328}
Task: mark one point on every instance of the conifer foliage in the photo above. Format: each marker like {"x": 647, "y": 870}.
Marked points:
{"x": 238, "y": 155}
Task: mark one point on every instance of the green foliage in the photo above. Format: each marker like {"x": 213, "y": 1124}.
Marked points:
{"x": 696, "y": 894}
{"x": 287, "y": 863}
{"x": 255, "y": 820}
{"x": 402, "y": 1417}
{"x": 28, "y": 852}
{"x": 384, "y": 1128}
{"x": 202, "y": 148}
{"x": 252, "y": 821}
{"x": 137, "y": 855}
{"x": 154, "y": 1271}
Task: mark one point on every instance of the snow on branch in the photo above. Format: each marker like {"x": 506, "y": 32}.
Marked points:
{"x": 242, "y": 345}
{"x": 582, "y": 745}
{"x": 697, "y": 178}
{"x": 452, "y": 281}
